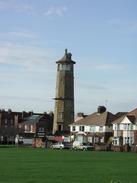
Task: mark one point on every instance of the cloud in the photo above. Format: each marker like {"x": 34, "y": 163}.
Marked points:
{"x": 27, "y": 76}
{"x": 29, "y": 8}
{"x": 101, "y": 65}
{"x": 132, "y": 26}
{"x": 107, "y": 66}
{"x": 30, "y": 58}
{"x": 124, "y": 25}
{"x": 93, "y": 86}
{"x": 115, "y": 21}
{"x": 16, "y": 6}
{"x": 59, "y": 11}
{"x": 22, "y": 98}
{"x": 23, "y": 34}
{"x": 18, "y": 103}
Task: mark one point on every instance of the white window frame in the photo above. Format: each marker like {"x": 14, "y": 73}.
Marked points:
{"x": 82, "y": 128}
{"x": 73, "y": 128}
{"x": 100, "y": 128}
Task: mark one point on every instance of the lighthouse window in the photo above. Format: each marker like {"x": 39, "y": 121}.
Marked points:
{"x": 64, "y": 67}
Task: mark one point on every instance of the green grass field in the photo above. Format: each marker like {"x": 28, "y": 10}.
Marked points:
{"x": 27, "y": 165}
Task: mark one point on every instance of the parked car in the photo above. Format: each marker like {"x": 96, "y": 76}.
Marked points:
{"x": 87, "y": 146}
{"x": 67, "y": 145}
{"x": 82, "y": 146}
{"x": 58, "y": 145}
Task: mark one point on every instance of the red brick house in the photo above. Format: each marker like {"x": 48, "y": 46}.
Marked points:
{"x": 125, "y": 129}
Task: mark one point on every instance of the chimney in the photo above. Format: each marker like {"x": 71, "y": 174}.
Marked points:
{"x": 101, "y": 109}
{"x": 16, "y": 120}
{"x": 80, "y": 114}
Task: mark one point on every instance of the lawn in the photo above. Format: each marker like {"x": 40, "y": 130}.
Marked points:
{"x": 28, "y": 165}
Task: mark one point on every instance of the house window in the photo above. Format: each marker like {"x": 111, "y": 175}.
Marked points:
{"x": 126, "y": 126}
{"x": 27, "y": 128}
{"x": 31, "y": 128}
{"x": 96, "y": 139}
{"x": 81, "y": 128}
{"x": 116, "y": 141}
{"x": 126, "y": 140}
{"x": 73, "y": 128}
{"x": 92, "y": 128}
{"x": 131, "y": 140}
{"x": 102, "y": 140}
{"x": 41, "y": 129}
{"x": 116, "y": 127}
{"x": 19, "y": 126}
{"x": 60, "y": 127}
{"x": 12, "y": 122}
{"x": 101, "y": 128}
{"x": 90, "y": 139}
{"x": 6, "y": 121}
{"x": 131, "y": 126}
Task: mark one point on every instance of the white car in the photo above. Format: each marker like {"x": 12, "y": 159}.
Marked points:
{"x": 82, "y": 146}
{"x": 58, "y": 145}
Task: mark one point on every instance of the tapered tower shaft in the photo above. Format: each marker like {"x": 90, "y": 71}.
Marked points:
{"x": 64, "y": 100}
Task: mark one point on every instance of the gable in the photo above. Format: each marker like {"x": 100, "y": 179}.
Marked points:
{"x": 126, "y": 120}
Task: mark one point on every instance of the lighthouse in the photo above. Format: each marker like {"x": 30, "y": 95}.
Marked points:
{"x": 64, "y": 99}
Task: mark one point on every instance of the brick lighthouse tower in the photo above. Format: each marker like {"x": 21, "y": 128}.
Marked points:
{"x": 64, "y": 100}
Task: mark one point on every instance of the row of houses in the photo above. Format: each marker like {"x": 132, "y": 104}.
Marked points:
{"x": 100, "y": 127}
{"x": 103, "y": 127}
{"x": 24, "y": 124}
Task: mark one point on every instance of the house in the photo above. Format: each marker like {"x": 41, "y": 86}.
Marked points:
{"x": 25, "y": 124}
{"x": 35, "y": 129}
{"x": 125, "y": 129}
{"x": 94, "y": 128}
{"x": 9, "y": 125}
{"x": 38, "y": 125}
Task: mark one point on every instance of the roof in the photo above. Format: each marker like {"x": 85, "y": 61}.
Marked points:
{"x": 120, "y": 114}
{"x": 99, "y": 119}
{"x": 133, "y": 112}
{"x": 32, "y": 119}
{"x": 132, "y": 116}
{"x": 119, "y": 120}
{"x": 66, "y": 58}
